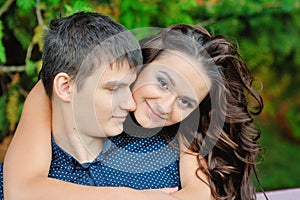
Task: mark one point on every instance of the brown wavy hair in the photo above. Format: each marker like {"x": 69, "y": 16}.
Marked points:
{"x": 221, "y": 130}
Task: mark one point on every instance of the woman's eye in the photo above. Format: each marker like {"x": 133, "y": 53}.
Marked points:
{"x": 185, "y": 103}
{"x": 163, "y": 84}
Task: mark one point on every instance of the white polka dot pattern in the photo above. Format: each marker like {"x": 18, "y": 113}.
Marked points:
{"x": 140, "y": 163}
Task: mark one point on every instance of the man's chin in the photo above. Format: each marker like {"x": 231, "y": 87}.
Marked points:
{"x": 116, "y": 130}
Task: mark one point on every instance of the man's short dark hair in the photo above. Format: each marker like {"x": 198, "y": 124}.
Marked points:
{"x": 78, "y": 43}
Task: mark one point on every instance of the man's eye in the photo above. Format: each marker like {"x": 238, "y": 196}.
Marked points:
{"x": 115, "y": 89}
{"x": 185, "y": 102}
{"x": 163, "y": 84}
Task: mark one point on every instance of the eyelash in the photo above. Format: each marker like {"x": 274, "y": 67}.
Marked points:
{"x": 187, "y": 104}
{"x": 163, "y": 83}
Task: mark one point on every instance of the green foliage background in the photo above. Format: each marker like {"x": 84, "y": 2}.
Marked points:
{"x": 267, "y": 33}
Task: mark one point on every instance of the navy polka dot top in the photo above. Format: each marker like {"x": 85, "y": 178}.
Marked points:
{"x": 140, "y": 163}
{"x": 140, "y": 160}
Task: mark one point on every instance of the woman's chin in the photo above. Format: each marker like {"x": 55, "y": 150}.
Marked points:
{"x": 145, "y": 120}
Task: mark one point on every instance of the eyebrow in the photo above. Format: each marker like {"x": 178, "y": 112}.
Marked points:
{"x": 174, "y": 84}
{"x": 192, "y": 100}
{"x": 116, "y": 83}
{"x": 169, "y": 77}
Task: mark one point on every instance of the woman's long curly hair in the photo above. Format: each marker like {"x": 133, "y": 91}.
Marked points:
{"x": 225, "y": 135}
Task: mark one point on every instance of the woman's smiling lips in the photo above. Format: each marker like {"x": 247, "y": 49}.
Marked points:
{"x": 153, "y": 114}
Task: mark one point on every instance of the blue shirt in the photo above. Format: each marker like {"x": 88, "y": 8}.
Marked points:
{"x": 140, "y": 163}
{"x": 134, "y": 161}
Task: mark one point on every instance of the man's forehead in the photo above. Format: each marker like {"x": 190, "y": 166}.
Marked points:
{"x": 119, "y": 69}
{"x": 118, "y": 64}
{"x": 104, "y": 65}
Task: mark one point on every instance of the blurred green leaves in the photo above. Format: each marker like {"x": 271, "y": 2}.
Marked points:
{"x": 2, "y": 48}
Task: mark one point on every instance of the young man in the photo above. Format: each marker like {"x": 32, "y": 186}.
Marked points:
{"x": 88, "y": 66}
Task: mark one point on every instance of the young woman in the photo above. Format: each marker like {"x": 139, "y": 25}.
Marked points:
{"x": 217, "y": 131}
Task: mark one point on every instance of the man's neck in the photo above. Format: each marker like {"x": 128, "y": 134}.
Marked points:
{"x": 81, "y": 146}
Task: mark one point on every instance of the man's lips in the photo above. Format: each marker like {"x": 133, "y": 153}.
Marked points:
{"x": 153, "y": 113}
{"x": 120, "y": 119}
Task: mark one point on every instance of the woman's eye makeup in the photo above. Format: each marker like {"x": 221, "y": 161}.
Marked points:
{"x": 166, "y": 82}
{"x": 163, "y": 83}
{"x": 185, "y": 103}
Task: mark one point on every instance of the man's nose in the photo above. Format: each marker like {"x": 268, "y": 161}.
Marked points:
{"x": 128, "y": 102}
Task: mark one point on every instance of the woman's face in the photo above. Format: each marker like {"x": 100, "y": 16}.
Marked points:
{"x": 168, "y": 90}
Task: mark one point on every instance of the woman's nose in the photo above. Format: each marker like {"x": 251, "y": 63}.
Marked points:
{"x": 165, "y": 104}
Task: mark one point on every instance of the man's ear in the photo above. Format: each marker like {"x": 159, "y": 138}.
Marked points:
{"x": 62, "y": 86}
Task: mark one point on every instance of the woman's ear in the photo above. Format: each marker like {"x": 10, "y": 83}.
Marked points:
{"x": 62, "y": 86}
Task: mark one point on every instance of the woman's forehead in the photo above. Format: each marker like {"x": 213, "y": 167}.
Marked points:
{"x": 180, "y": 64}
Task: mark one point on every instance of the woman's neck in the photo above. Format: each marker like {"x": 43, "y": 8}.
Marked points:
{"x": 133, "y": 128}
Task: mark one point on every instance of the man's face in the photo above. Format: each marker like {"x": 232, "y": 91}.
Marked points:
{"x": 102, "y": 104}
